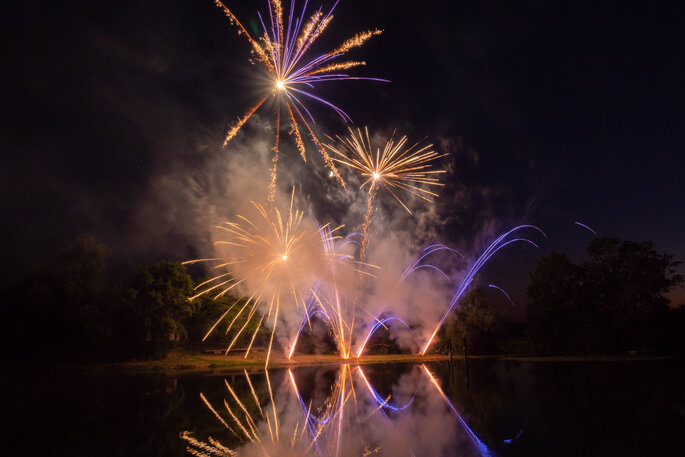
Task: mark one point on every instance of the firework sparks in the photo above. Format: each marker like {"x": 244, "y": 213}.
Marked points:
{"x": 580, "y": 224}
{"x": 274, "y": 258}
{"x": 503, "y": 240}
{"x": 332, "y": 423}
{"x": 283, "y": 50}
{"x": 328, "y": 301}
{"x": 280, "y": 263}
{"x": 395, "y": 168}
{"x": 317, "y": 433}
{"x": 505, "y": 294}
{"x": 480, "y": 445}
{"x": 382, "y": 323}
{"x": 246, "y": 427}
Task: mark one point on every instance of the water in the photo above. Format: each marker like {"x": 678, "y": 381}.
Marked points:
{"x": 499, "y": 409}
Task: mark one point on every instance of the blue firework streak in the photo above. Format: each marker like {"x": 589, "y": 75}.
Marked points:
{"x": 580, "y": 224}
{"x": 505, "y": 294}
{"x": 502, "y": 241}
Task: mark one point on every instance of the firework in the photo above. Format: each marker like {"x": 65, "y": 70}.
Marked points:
{"x": 395, "y": 168}
{"x": 317, "y": 433}
{"x": 328, "y": 300}
{"x": 282, "y": 50}
{"x": 246, "y": 427}
{"x": 382, "y": 323}
{"x": 333, "y": 424}
{"x": 503, "y": 240}
{"x": 480, "y": 445}
{"x": 274, "y": 258}
{"x": 580, "y": 224}
{"x": 281, "y": 263}
{"x": 505, "y": 294}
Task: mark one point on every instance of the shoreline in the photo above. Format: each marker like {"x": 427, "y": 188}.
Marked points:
{"x": 188, "y": 363}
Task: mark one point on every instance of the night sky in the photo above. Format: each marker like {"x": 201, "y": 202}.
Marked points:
{"x": 551, "y": 114}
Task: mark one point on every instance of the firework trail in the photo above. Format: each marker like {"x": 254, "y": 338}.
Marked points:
{"x": 580, "y": 224}
{"x": 503, "y": 240}
{"x": 318, "y": 431}
{"x": 328, "y": 300}
{"x": 396, "y": 168}
{"x": 428, "y": 250}
{"x": 480, "y": 445}
{"x": 282, "y": 50}
{"x": 272, "y": 257}
{"x": 384, "y": 403}
{"x": 417, "y": 265}
{"x": 382, "y": 323}
{"x": 263, "y": 430}
{"x": 505, "y": 294}
{"x": 348, "y": 417}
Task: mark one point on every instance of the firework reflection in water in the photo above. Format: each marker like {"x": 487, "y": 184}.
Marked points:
{"x": 348, "y": 418}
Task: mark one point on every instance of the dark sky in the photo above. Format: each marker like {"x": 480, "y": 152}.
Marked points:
{"x": 553, "y": 113}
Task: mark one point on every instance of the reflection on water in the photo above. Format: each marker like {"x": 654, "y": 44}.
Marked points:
{"x": 501, "y": 408}
{"x": 340, "y": 413}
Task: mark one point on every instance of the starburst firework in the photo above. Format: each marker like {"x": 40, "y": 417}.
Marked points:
{"x": 395, "y": 168}
{"x": 272, "y": 257}
{"x": 278, "y": 261}
{"x": 283, "y": 51}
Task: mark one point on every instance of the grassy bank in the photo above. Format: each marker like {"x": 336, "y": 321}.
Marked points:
{"x": 182, "y": 363}
{"x": 186, "y": 362}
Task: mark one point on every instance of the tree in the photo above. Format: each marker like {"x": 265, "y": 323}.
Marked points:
{"x": 475, "y": 321}
{"x": 160, "y": 297}
{"x": 628, "y": 282}
{"x": 615, "y": 301}
{"x": 553, "y": 303}
{"x": 83, "y": 296}
{"x": 61, "y": 310}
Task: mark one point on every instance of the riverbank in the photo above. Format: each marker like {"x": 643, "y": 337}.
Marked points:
{"x": 184, "y": 362}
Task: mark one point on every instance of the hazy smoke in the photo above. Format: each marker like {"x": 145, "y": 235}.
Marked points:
{"x": 193, "y": 194}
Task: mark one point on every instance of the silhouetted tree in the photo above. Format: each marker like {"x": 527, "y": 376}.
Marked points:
{"x": 61, "y": 311}
{"x": 554, "y": 303}
{"x": 612, "y": 302}
{"x": 476, "y": 320}
{"x": 628, "y": 282}
{"x": 83, "y": 296}
{"x": 160, "y": 297}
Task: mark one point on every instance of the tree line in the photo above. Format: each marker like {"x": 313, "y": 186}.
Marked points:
{"x": 613, "y": 302}
{"x": 70, "y": 311}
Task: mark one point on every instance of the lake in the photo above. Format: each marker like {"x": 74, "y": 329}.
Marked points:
{"x": 495, "y": 408}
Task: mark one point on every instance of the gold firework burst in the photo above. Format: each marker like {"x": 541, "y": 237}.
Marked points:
{"x": 283, "y": 51}
{"x": 395, "y": 167}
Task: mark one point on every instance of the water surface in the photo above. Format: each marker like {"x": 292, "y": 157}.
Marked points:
{"x": 494, "y": 408}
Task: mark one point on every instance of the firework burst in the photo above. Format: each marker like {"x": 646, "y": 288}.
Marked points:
{"x": 395, "y": 168}
{"x": 274, "y": 258}
{"x": 283, "y": 50}
{"x": 279, "y": 262}
{"x": 329, "y": 300}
